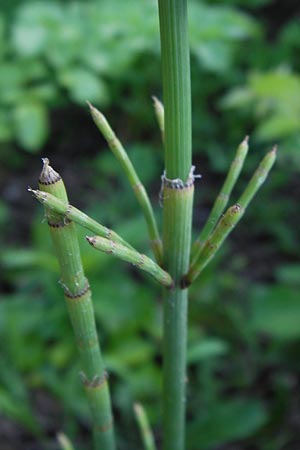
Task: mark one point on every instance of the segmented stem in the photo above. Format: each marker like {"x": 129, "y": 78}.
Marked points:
{"x": 137, "y": 259}
{"x": 78, "y": 298}
{"x": 135, "y": 182}
{"x": 230, "y": 219}
{"x": 177, "y": 212}
{"x": 77, "y": 216}
{"x": 222, "y": 198}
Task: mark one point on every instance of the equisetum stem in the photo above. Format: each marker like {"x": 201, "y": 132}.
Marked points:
{"x": 135, "y": 182}
{"x": 137, "y": 259}
{"x": 177, "y": 212}
{"x": 77, "y": 216}
{"x": 143, "y": 423}
{"x": 78, "y": 298}
{"x": 230, "y": 219}
{"x": 160, "y": 115}
{"x": 222, "y": 198}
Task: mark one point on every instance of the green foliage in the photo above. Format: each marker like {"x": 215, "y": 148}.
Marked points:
{"x": 274, "y": 100}
{"x": 60, "y": 53}
{"x": 243, "y": 350}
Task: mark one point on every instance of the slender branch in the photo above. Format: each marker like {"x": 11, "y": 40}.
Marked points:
{"x": 137, "y": 259}
{"x": 258, "y": 178}
{"x": 160, "y": 115}
{"x": 64, "y": 442}
{"x": 177, "y": 212}
{"x": 79, "y": 303}
{"x": 77, "y": 216}
{"x": 230, "y": 219}
{"x": 138, "y": 188}
{"x": 145, "y": 430}
{"x": 222, "y": 199}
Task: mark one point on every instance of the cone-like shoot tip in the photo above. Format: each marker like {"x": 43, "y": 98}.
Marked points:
{"x": 48, "y": 174}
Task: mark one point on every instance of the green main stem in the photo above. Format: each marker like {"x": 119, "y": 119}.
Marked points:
{"x": 80, "y": 308}
{"x": 177, "y": 212}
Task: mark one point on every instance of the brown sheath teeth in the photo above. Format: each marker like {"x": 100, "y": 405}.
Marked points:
{"x": 80, "y": 294}
{"x": 48, "y": 175}
{"x": 59, "y": 224}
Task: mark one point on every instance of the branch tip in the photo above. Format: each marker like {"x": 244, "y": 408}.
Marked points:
{"x": 90, "y": 105}
{"x": 48, "y": 174}
{"x": 274, "y": 149}
{"x": 90, "y": 239}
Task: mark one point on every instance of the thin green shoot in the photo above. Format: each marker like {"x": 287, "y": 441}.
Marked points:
{"x": 137, "y": 259}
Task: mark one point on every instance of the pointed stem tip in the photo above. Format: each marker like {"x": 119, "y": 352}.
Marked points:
{"x": 90, "y": 105}
{"x": 90, "y": 239}
{"x": 48, "y": 174}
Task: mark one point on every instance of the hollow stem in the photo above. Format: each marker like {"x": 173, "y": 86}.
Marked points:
{"x": 79, "y": 303}
{"x": 137, "y": 259}
{"x": 177, "y": 212}
{"x": 136, "y": 184}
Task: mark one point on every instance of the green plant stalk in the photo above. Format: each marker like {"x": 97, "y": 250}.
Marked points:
{"x": 230, "y": 219}
{"x": 64, "y": 442}
{"x": 143, "y": 423}
{"x": 222, "y": 198}
{"x": 160, "y": 115}
{"x": 77, "y": 216}
{"x": 177, "y": 212}
{"x": 80, "y": 308}
{"x": 137, "y": 187}
{"x": 137, "y": 259}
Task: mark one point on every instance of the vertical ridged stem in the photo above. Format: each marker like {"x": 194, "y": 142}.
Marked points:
{"x": 177, "y": 213}
{"x": 80, "y": 308}
{"x": 177, "y": 240}
{"x": 176, "y": 87}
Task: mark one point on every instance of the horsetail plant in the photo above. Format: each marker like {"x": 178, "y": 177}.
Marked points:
{"x": 222, "y": 198}
{"x": 132, "y": 256}
{"x": 138, "y": 188}
{"x": 68, "y": 211}
{"x": 79, "y": 303}
{"x": 172, "y": 267}
{"x": 230, "y": 219}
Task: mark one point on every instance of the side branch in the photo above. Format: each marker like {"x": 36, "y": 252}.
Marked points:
{"x": 144, "y": 426}
{"x": 68, "y": 211}
{"x": 160, "y": 115}
{"x": 133, "y": 257}
{"x": 138, "y": 188}
{"x": 222, "y": 198}
{"x": 229, "y": 220}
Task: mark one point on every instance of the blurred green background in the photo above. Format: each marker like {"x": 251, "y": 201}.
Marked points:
{"x": 244, "y": 333}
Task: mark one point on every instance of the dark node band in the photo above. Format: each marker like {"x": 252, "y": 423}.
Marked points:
{"x": 79, "y": 294}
